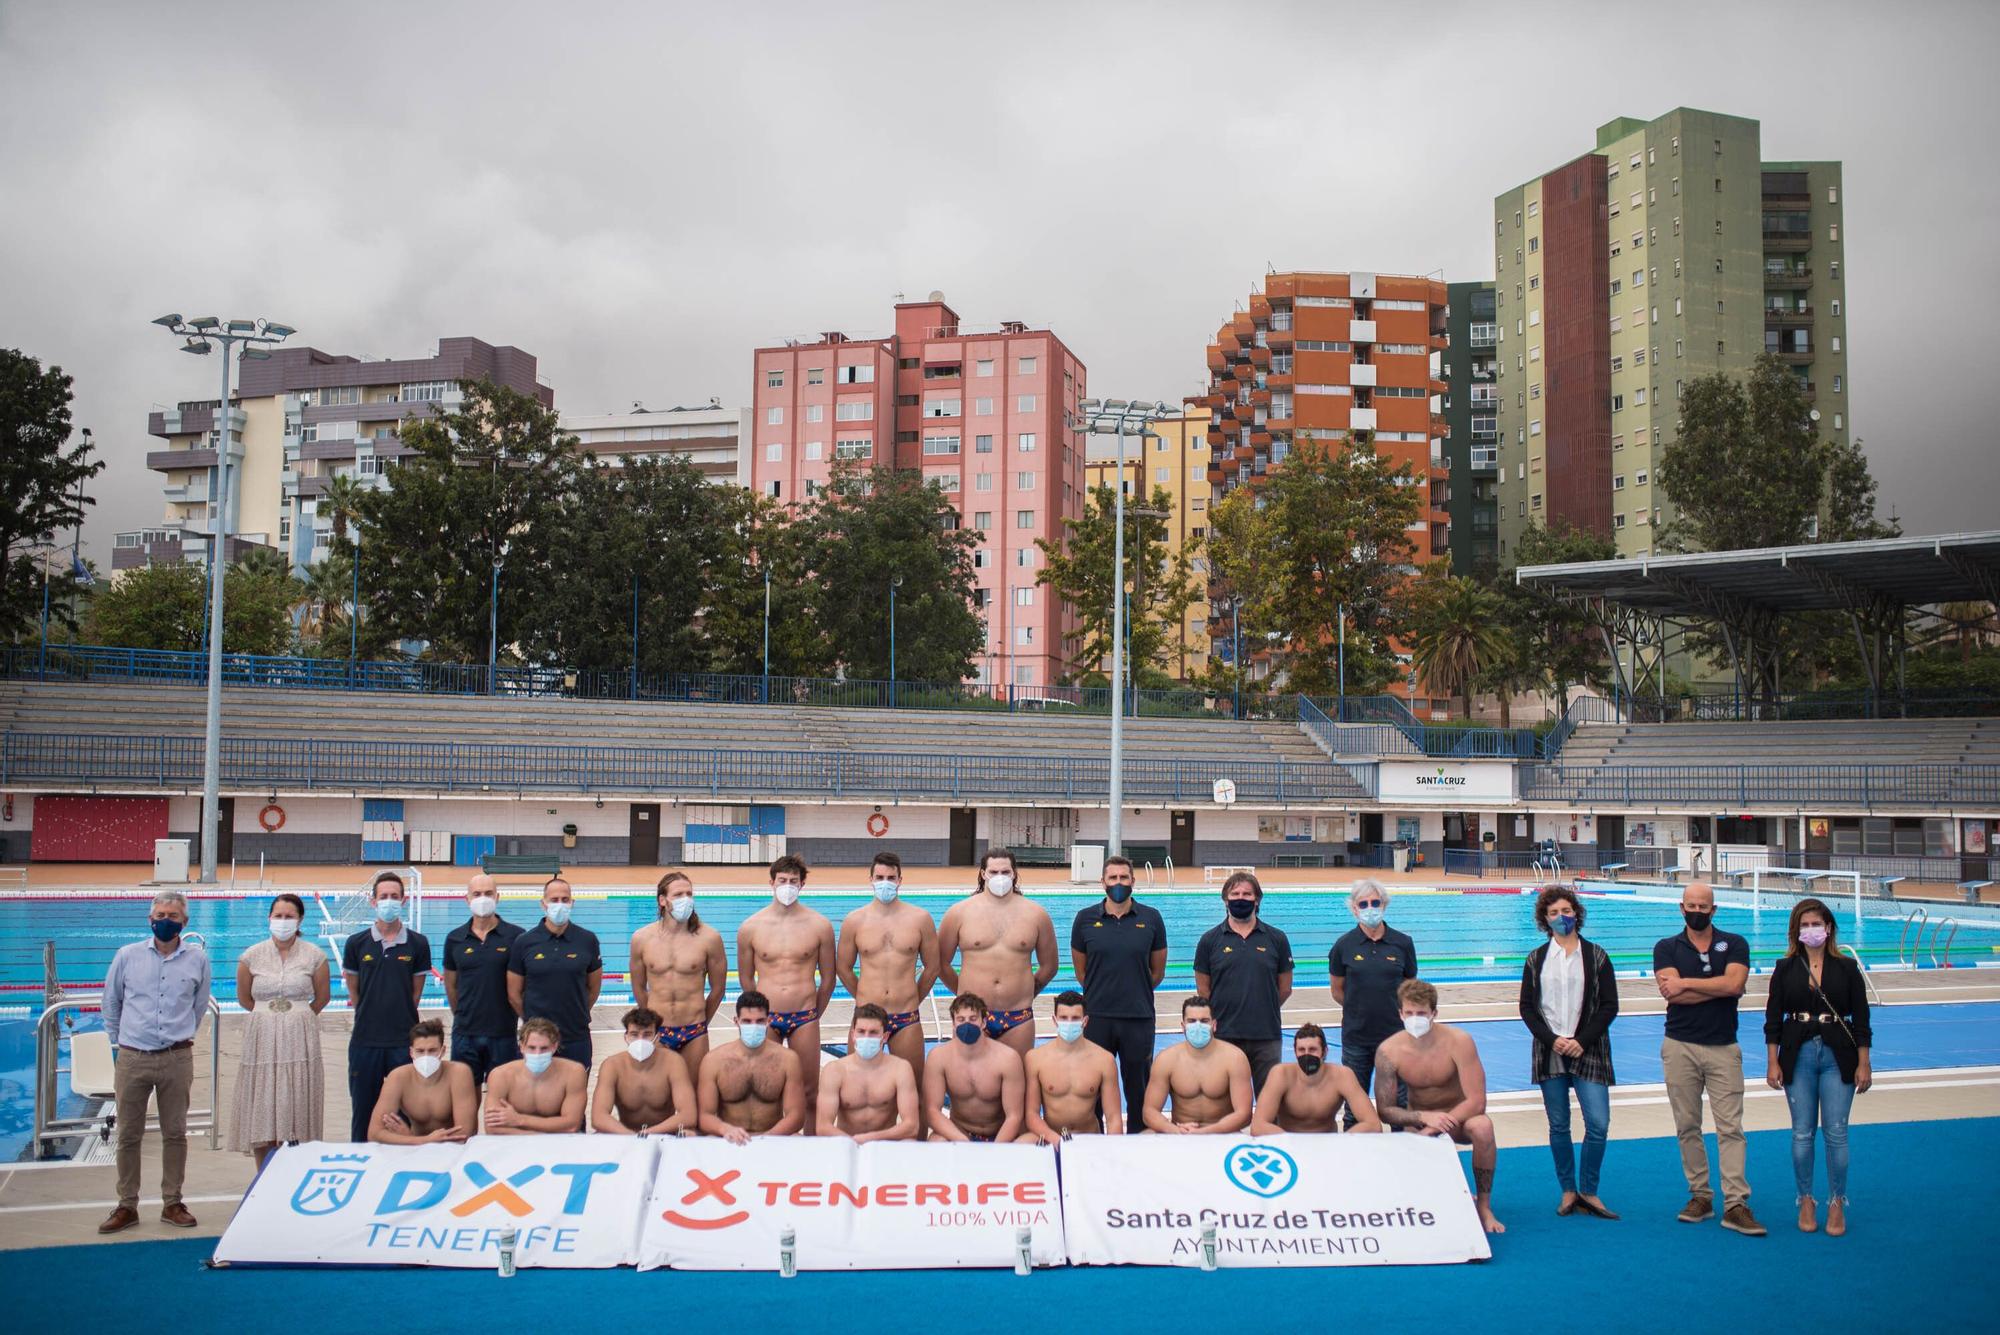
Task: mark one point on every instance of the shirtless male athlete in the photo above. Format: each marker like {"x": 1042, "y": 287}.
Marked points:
{"x": 1439, "y": 1066}
{"x": 993, "y": 936}
{"x": 1309, "y": 1095}
{"x": 751, "y": 1087}
{"x": 870, "y": 1094}
{"x": 539, "y": 1093}
{"x": 1208, "y": 1078}
{"x": 895, "y": 946}
{"x": 1072, "y": 1083}
{"x": 785, "y": 950}
{"x": 679, "y": 970}
{"x": 428, "y": 1101}
{"x": 644, "y": 1090}
{"x": 984, "y": 1079}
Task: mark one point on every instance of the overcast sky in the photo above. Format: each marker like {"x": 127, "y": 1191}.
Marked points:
{"x": 641, "y": 194}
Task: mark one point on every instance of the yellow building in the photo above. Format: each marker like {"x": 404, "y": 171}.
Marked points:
{"x": 1177, "y": 462}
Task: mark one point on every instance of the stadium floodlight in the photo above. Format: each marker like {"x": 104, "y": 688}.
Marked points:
{"x": 1120, "y": 418}
{"x": 276, "y": 330}
{"x": 199, "y": 337}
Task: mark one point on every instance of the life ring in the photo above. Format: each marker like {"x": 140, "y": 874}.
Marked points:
{"x": 272, "y": 818}
{"x": 878, "y": 824}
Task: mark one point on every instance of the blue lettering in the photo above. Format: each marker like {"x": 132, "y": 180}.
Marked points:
{"x": 433, "y": 1238}
{"x": 433, "y": 1187}
{"x": 580, "y": 1176}
{"x": 565, "y": 1241}
{"x": 375, "y": 1232}
{"x": 464, "y": 1240}
{"x": 399, "y": 1236}
{"x": 490, "y": 1240}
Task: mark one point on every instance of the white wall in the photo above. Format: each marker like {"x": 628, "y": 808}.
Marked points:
{"x": 303, "y": 815}
{"x": 851, "y": 822}
{"x": 470, "y": 816}
{"x": 24, "y": 813}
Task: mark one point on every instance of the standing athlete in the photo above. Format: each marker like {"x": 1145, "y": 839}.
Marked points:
{"x": 994, "y": 936}
{"x": 888, "y": 955}
{"x": 785, "y": 950}
{"x": 679, "y": 971}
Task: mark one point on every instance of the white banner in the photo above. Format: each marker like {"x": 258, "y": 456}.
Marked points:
{"x": 1445, "y": 783}
{"x": 1273, "y": 1200}
{"x": 572, "y": 1201}
{"x": 897, "y": 1205}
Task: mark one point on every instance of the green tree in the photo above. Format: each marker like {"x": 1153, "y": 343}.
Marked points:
{"x": 1159, "y": 581}
{"x": 1850, "y": 497}
{"x": 1452, "y": 627}
{"x": 868, "y": 528}
{"x": 340, "y": 501}
{"x": 41, "y": 491}
{"x": 483, "y": 485}
{"x": 1328, "y": 530}
{"x": 1557, "y": 645}
{"x": 163, "y": 607}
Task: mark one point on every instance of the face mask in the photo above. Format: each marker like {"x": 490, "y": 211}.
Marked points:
{"x": 1369, "y": 917}
{"x": 165, "y": 929}
{"x": 557, "y": 913}
{"x": 680, "y": 910}
{"x": 1309, "y": 1066}
{"x": 1417, "y": 1025}
{"x": 1242, "y": 909}
{"x": 885, "y": 892}
{"x": 484, "y": 906}
{"x": 1812, "y": 936}
{"x": 1562, "y": 924}
{"x": 641, "y": 1048}
{"x": 1697, "y": 921}
{"x": 752, "y": 1034}
{"x": 537, "y": 1062}
{"x": 427, "y": 1065}
{"x": 968, "y": 1032}
{"x": 284, "y": 929}
{"x": 785, "y": 893}
{"x": 869, "y": 1047}
{"x": 1198, "y": 1034}
{"x": 1069, "y": 1031}
{"x": 1117, "y": 892}
{"x": 999, "y": 883}
{"x": 389, "y": 910}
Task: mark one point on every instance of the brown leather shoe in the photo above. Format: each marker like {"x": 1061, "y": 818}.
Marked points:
{"x": 119, "y": 1220}
{"x": 177, "y": 1215}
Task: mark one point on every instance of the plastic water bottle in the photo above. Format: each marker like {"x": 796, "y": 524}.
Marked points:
{"x": 507, "y": 1240}
{"x": 1208, "y": 1247}
{"x": 1024, "y": 1251}
{"x": 788, "y": 1252}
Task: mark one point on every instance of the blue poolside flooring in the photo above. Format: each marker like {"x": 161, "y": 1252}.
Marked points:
{"x": 1918, "y": 1258}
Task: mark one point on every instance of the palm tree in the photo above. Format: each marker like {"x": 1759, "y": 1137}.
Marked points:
{"x": 266, "y": 561}
{"x": 1456, "y": 633}
{"x": 328, "y": 586}
{"x": 341, "y": 501}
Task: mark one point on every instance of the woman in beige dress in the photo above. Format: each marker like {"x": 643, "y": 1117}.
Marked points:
{"x": 283, "y": 983}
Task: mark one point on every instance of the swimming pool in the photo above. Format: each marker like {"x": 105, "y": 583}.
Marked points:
{"x": 1460, "y": 935}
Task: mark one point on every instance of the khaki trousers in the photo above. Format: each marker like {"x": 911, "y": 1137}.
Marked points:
{"x": 1692, "y": 1069}
{"x": 140, "y": 1076}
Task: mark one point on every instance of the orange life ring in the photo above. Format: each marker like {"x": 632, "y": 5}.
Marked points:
{"x": 878, "y": 824}
{"x": 272, "y": 818}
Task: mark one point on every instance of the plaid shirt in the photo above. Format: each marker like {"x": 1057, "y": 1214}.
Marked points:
{"x": 1595, "y": 1063}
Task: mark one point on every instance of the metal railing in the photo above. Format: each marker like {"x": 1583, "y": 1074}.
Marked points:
{"x": 1382, "y": 725}
{"x": 48, "y": 1127}
{"x": 1743, "y": 785}
{"x": 1730, "y": 706}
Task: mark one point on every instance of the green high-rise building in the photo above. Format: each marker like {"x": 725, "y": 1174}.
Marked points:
{"x": 1471, "y": 445}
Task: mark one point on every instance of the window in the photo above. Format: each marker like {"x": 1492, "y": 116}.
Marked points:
{"x": 1534, "y": 244}
{"x": 1639, "y": 478}
{"x": 860, "y": 447}
{"x": 775, "y": 490}
{"x": 1025, "y": 366}
{"x": 1198, "y": 504}
{"x": 1024, "y": 481}
{"x": 1024, "y": 596}
{"x": 856, "y": 375}
{"x": 854, "y": 410}
{"x": 984, "y": 366}
{"x": 942, "y": 408}
{"x": 1024, "y": 557}
{"x": 982, "y": 407}
{"x": 1617, "y": 403}
{"x": 1836, "y": 421}
{"x": 1024, "y": 519}
{"x": 774, "y": 416}
{"x": 815, "y": 448}
{"x": 1677, "y": 306}
{"x": 1616, "y": 287}
{"x": 1533, "y": 209}
{"x": 982, "y": 444}
{"x": 774, "y": 380}
{"x": 1618, "y": 443}
{"x": 815, "y": 375}
{"x": 1833, "y": 231}
{"x": 1534, "y": 282}
{"x": 982, "y": 520}
{"x": 1836, "y": 384}
{"x": 425, "y": 391}
{"x": 1535, "y": 501}
{"x": 1535, "y": 427}
{"x": 815, "y": 412}
{"x": 774, "y": 452}
{"x": 937, "y": 445}
{"x": 1617, "y": 365}
{"x": 1836, "y": 308}
{"x": 1718, "y": 190}
{"x": 1025, "y": 442}
{"x": 1833, "y": 270}
{"x": 1618, "y": 521}
{"x": 1638, "y": 278}
{"x": 942, "y": 481}
{"x": 1024, "y": 403}
{"x": 1024, "y": 634}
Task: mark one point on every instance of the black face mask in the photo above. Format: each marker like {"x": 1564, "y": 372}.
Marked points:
{"x": 1309, "y": 1066}
{"x": 1241, "y": 909}
{"x": 1118, "y": 892}
{"x": 1697, "y": 921}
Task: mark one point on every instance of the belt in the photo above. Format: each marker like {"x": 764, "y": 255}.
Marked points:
{"x": 171, "y": 1047}
{"x": 1805, "y": 1017}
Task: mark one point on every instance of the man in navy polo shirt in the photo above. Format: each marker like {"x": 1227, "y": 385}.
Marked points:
{"x": 384, "y": 966}
{"x": 1702, "y": 973}
{"x": 1366, "y": 966}
{"x": 475, "y": 982}
{"x": 1119, "y": 950}
{"x": 554, "y": 972}
{"x": 1244, "y": 967}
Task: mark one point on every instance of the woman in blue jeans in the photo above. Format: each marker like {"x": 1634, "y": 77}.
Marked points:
{"x": 1569, "y": 997}
{"x": 1816, "y": 1028}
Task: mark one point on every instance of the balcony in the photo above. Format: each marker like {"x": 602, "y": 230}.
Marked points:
{"x": 1793, "y": 356}
{"x": 1279, "y": 339}
{"x": 1788, "y": 203}
{"x": 1488, "y": 404}
{"x": 1361, "y": 331}
{"x": 1260, "y": 357}
{"x": 1216, "y": 359}
{"x": 145, "y": 547}
{"x": 167, "y": 461}
{"x": 1788, "y": 242}
{"x": 1485, "y": 458}
{"x": 1483, "y": 335}
{"x": 1788, "y": 315}
{"x": 1361, "y": 419}
{"x": 186, "y": 493}
{"x": 1361, "y": 374}
{"x": 1801, "y": 276}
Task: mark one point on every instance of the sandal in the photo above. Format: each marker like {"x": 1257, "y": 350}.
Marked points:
{"x": 1600, "y": 1211}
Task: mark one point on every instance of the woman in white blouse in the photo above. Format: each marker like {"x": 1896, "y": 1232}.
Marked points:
{"x": 1569, "y": 997}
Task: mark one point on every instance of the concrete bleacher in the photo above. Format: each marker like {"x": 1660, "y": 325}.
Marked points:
{"x": 1846, "y": 742}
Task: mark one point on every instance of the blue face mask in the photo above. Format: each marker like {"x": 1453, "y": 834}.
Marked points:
{"x": 885, "y": 891}
{"x": 752, "y": 1034}
{"x": 1369, "y": 917}
{"x": 868, "y": 1047}
{"x": 968, "y": 1032}
{"x": 1198, "y": 1034}
{"x": 558, "y": 912}
{"x": 538, "y": 1062}
{"x": 165, "y": 929}
{"x": 389, "y": 910}
{"x": 1562, "y": 924}
{"x": 1118, "y": 892}
{"x": 1069, "y": 1031}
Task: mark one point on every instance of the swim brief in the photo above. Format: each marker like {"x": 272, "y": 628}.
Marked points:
{"x": 678, "y": 1036}
{"x": 898, "y": 1022}
{"x": 785, "y": 1023}
{"x": 999, "y": 1022}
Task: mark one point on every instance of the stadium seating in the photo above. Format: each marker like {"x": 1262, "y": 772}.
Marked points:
{"x": 1869, "y": 742}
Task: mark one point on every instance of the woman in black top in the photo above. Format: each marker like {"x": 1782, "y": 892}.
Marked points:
{"x": 1569, "y": 997}
{"x": 1816, "y": 1027}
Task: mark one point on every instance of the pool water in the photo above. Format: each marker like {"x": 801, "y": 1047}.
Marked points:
{"x": 1459, "y": 935}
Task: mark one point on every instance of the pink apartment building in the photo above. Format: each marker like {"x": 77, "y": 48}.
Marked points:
{"x": 981, "y": 414}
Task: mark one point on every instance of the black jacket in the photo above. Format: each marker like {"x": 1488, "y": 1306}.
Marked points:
{"x": 1593, "y": 1021}
{"x": 1792, "y": 995}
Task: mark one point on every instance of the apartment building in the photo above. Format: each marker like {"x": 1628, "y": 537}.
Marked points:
{"x": 983, "y": 414}
{"x": 1471, "y": 447}
{"x": 1670, "y": 251}
{"x": 710, "y": 438}
{"x": 1176, "y": 461}
{"x": 297, "y": 420}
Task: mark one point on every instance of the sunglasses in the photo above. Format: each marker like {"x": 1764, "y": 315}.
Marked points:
{"x": 1371, "y": 903}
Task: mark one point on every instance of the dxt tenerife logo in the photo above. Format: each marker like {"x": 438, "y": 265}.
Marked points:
{"x": 329, "y": 1188}
{"x": 1441, "y": 780}
{"x": 1261, "y": 1170}
{"x": 706, "y": 1187}
{"x": 324, "y": 1190}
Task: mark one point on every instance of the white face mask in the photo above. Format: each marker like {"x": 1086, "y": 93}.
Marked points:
{"x": 1417, "y": 1025}
{"x": 641, "y": 1048}
{"x": 484, "y": 906}
{"x": 885, "y": 891}
{"x": 785, "y": 893}
{"x": 427, "y": 1065}
{"x": 680, "y": 910}
{"x": 284, "y": 929}
{"x": 999, "y": 883}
